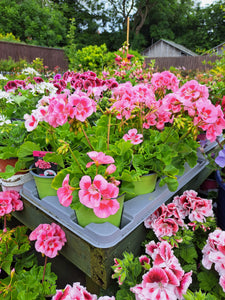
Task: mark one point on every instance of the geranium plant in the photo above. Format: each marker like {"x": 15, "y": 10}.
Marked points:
{"x": 182, "y": 245}
{"x": 21, "y": 276}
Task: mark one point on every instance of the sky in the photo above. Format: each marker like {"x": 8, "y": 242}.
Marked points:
{"x": 206, "y": 2}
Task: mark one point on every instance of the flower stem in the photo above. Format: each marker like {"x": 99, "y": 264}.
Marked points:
{"x": 108, "y": 134}
{"x": 44, "y": 269}
{"x": 89, "y": 143}
{"x": 4, "y": 227}
{"x": 74, "y": 157}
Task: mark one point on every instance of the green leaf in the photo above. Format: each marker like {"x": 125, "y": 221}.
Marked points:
{"x": 27, "y": 149}
{"x": 208, "y": 280}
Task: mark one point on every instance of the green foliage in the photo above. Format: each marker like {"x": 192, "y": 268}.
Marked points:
{"x": 199, "y": 295}
{"x": 10, "y": 65}
{"x": 128, "y": 271}
{"x": 33, "y": 23}
{"x": 27, "y": 284}
{"x": 12, "y": 242}
{"x": 9, "y": 37}
{"x": 91, "y": 58}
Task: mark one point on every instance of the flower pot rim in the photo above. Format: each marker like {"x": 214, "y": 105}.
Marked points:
{"x": 36, "y": 175}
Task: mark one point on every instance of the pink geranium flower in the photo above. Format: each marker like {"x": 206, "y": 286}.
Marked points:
{"x": 82, "y": 107}
{"x": 31, "y": 122}
{"x": 50, "y": 238}
{"x": 65, "y": 192}
{"x": 77, "y": 291}
{"x": 99, "y": 195}
{"x": 10, "y": 201}
{"x": 133, "y": 137}
{"x": 99, "y": 158}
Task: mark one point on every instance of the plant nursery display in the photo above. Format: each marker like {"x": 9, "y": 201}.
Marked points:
{"x": 144, "y": 129}
{"x": 104, "y": 143}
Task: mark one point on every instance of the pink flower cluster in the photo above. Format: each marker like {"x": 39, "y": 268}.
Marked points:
{"x": 214, "y": 253}
{"x": 134, "y": 137}
{"x": 43, "y": 164}
{"x": 165, "y": 81}
{"x": 191, "y": 99}
{"x": 166, "y": 279}
{"x": 168, "y": 219}
{"x": 10, "y": 201}
{"x": 50, "y": 238}
{"x": 86, "y": 81}
{"x": 99, "y": 195}
{"x": 77, "y": 292}
{"x": 57, "y": 110}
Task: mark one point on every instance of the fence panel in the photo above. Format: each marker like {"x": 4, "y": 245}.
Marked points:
{"x": 186, "y": 62}
{"x": 52, "y": 57}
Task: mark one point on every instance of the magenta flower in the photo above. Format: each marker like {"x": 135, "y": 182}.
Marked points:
{"x": 79, "y": 292}
{"x": 65, "y": 192}
{"x": 50, "y": 239}
{"x": 133, "y": 137}
{"x": 99, "y": 158}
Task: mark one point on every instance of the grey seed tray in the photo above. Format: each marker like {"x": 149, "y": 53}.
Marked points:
{"x": 135, "y": 210}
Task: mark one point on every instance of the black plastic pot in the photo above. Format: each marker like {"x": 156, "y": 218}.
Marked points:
{"x": 220, "y": 201}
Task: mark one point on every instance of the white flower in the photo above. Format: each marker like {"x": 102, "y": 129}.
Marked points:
{"x": 3, "y": 120}
{"x": 6, "y": 95}
{"x": 29, "y": 70}
{"x": 3, "y": 77}
{"x": 43, "y": 86}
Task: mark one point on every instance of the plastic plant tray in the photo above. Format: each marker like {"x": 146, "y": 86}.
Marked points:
{"x": 106, "y": 235}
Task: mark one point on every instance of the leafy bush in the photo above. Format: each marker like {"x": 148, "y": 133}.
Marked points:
{"x": 92, "y": 58}
{"x": 9, "y": 37}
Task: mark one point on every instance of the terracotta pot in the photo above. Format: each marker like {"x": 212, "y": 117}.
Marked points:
{"x": 5, "y": 162}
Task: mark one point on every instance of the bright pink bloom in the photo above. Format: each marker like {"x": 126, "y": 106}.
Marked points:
{"x": 99, "y": 195}
{"x": 133, "y": 137}
{"x": 165, "y": 227}
{"x": 43, "y": 164}
{"x": 77, "y": 292}
{"x": 107, "y": 208}
{"x": 10, "y": 201}
{"x": 99, "y": 158}
{"x": 65, "y": 192}
{"x": 50, "y": 238}
{"x": 82, "y": 107}
{"x": 90, "y": 193}
{"x": 110, "y": 169}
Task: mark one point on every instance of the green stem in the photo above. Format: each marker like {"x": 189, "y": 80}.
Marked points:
{"x": 74, "y": 157}
{"x": 89, "y": 143}
{"x": 45, "y": 264}
{"x": 108, "y": 134}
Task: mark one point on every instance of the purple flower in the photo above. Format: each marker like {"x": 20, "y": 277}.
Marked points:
{"x": 220, "y": 159}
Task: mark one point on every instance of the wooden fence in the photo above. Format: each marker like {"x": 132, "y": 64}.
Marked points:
{"x": 185, "y": 62}
{"x": 52, "y": 57}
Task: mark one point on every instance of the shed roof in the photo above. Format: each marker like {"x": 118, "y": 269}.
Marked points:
{"x": 175, "y": 45}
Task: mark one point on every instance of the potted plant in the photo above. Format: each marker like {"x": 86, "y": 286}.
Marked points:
{"x": 145, "y": 128}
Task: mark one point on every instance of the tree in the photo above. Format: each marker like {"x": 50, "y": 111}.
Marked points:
{"x": 34, "y": 22}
